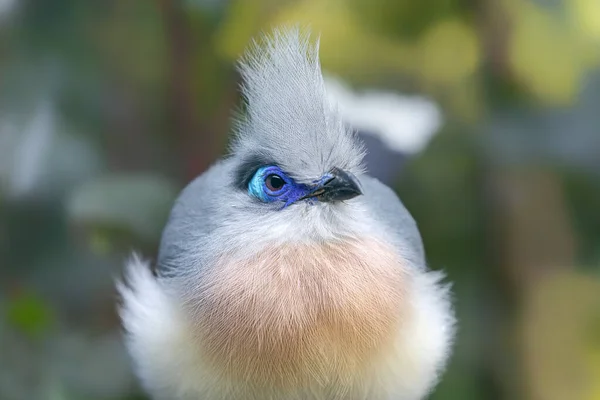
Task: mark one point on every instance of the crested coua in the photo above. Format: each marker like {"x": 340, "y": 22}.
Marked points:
{"x": 285, "y": 272}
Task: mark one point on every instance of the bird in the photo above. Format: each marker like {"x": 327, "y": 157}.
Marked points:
{"x": 285, "y": 271}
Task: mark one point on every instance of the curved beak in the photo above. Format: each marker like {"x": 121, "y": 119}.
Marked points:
{"x": 337, "y": 185}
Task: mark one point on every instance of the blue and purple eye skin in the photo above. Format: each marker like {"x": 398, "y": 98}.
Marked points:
{"x": 270, "y": 184}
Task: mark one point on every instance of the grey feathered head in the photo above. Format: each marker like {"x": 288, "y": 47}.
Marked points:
{"x": 294, "y": 168}
{"x": 289, "y": 119}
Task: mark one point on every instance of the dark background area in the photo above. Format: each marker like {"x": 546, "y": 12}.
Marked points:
{"x": 108, "y": 108}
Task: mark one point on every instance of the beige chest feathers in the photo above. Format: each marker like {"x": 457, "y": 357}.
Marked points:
{"x": 296, "y": 314}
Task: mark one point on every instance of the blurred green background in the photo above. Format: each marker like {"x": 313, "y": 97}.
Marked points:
{"x": 108, "y": 108}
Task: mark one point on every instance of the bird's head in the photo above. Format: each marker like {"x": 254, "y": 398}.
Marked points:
{"x": 293, "y": 172}
{"x": 292, "y": 147}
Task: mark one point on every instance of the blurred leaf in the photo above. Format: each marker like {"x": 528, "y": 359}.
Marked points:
{"x": 206, "y": 6}
{"x": 594, "y": 362}
{"x": 586, "y": 15}
{"x": 593, "y": 355}
{"x": 139, "y": 204}
{"x": 450, "y": 52}
{"x": 29, "y": 314}
{"x": 407, "y": 18}
{"x": 244, "y": 19}
{"x": 558, "y": 346}
{"x": 346, "y": 47}
{"x": 547, "y": 56}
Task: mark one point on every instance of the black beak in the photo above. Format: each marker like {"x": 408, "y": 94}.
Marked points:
{"x": 340, "y": 185}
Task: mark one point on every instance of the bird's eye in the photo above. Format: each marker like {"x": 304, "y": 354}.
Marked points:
{"x": 274, "y": 182}
{"x": 269, "y": 184}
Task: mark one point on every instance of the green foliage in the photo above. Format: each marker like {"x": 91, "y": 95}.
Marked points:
{"x": 30, "y": 315}
{"x": 405, "y": 18}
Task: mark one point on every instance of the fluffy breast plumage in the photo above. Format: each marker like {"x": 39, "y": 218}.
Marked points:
{"x": 301, "y": 314}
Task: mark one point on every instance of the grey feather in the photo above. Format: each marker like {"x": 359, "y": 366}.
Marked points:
{"x": 388, "y": 209}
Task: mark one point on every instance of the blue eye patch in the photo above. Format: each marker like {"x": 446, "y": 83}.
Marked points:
{"x": 270, "y": 183}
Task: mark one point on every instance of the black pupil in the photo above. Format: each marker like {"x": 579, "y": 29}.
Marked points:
{"x": 275, "y": 182}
